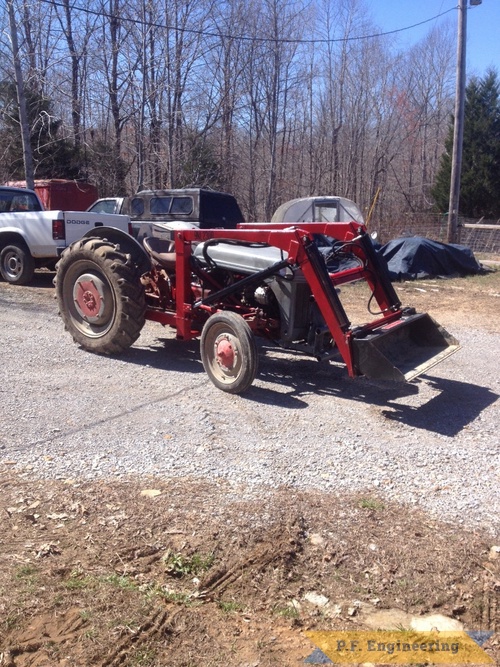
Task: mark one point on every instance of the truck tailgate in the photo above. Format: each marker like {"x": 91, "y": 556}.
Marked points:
{"x": 78, "y": 223}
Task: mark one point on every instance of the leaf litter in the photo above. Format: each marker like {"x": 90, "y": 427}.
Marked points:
{"x": 210, "y": 574}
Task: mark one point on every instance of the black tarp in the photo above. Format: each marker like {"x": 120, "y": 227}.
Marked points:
{"x": 415, "y": 257}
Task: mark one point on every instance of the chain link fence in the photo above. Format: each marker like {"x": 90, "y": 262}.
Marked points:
{"x": 481, "y": 236}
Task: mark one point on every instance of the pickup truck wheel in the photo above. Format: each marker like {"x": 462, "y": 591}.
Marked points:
{"x": 100, "y": 296}
{"x": 228, "y": 352}
{"x": 17, "y": 266}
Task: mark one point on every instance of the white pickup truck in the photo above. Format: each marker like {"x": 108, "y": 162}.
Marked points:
{"x": 32, "y": 238}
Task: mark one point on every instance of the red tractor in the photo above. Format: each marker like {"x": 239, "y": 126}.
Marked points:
{"x": 226, "y": 287}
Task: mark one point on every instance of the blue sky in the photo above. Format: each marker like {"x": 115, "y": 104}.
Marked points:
{"x": 483, "y": 26}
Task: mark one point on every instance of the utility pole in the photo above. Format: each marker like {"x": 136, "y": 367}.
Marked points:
{"x": 21, "y": 100}
{"x": 458, "y": 129}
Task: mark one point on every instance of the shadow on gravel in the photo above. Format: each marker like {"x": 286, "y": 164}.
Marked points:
{"x": 43, "y": 280}
{"x": 37, "y": 296}
{"x": 168, "y": 354}
{"x": 184, "y": 357}
{"x": 456, "y": 405}
{"x": 452, "y": 406}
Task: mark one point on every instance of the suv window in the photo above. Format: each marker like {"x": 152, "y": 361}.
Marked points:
{"x": 160, "y": 205}
{"x": 219, "y": 211}
{"x": 5, "y": 201}
{"x": 136, "y": 207}
{"x": 182, "y": 205}
{"x": 171, "y": 205}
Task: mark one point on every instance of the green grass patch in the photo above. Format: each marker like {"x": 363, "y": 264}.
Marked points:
{"x": 179, "y": 565}
{"x": 371, "y": 504}
{"x": 289, "y": 611}
{"x": 230, "y": 606}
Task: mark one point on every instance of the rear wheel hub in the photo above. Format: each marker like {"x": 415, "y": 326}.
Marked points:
{"x": 89, "y": 297}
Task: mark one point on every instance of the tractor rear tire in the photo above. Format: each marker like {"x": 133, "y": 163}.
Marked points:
{"x": 17, "y": 266}
{"x": 100, "y": 296}
{"x": 228, "y": 352}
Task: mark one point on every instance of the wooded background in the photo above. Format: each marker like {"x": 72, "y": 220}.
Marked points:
{"x": 266, "y": 99}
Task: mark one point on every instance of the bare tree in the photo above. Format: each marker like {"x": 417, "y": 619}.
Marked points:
{"x": 186, "y": 21}
{"x": 77, "y": 40}
{"x": 119, "y": 69}
{"x": 21, "y": 97}
{"x": 425, "y": 107}
{"x": 226, "y": 61}
{"x": 39, "y": 43}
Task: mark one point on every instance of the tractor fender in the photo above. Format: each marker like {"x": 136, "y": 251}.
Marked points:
{"x": 127, "y": 243}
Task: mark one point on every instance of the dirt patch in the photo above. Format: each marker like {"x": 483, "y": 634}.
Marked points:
{"x": 185, "y": 572}
{"x": 453, "y": 302}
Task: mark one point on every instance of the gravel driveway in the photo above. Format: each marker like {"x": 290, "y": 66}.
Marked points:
{"x": 69, "y": 414}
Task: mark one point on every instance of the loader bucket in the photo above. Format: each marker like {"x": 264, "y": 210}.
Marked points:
{"x": 402, "y": 350}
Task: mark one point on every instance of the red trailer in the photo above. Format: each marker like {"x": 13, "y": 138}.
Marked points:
{"x": 61, "y": 194}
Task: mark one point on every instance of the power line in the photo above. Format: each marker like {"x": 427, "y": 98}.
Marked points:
{"x": 246, "y": 38}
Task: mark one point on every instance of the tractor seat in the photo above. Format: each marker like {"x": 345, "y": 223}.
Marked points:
{"x": 161, "y": 250}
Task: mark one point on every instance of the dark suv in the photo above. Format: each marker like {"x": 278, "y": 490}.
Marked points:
{"x": 147, "y": 209}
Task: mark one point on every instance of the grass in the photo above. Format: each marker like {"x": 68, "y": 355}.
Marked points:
{"x": 28, "y": 575}
{"x": 143, "y": 657}
{"x": 85, "y": 615}
{"x": 177, "y": 597}
{"x": 371, "y": 504}
{"x": 12, "y": 621}
{"x": 120, "y": 581}
{"x": 230, "y": 606}
{"x": 179, "y": 565}
{"x": 155, "y": 590}
{"x": 78, "y": 582}
{"x": 290, "y": 611}
{"x": 25, "y": 571}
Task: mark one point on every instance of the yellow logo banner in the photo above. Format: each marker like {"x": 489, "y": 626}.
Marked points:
{"x": 400, "y": 647}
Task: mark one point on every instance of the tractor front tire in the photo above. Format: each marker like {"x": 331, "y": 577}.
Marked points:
{"x": 228, "y": 352}
{"x": 100, "y": 296}
{"x": 17, "y": 266}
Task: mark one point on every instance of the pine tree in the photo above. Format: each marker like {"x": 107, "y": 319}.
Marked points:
{"x": 53, "y": 156}
{"x": 480, "y": 176}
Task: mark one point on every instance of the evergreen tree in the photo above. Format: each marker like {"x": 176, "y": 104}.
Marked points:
{"x": 53, "y": 156}
{"x": 200, "y": 167}
{"x": 104, "y": 168}
{"x": 480, "y": 176}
